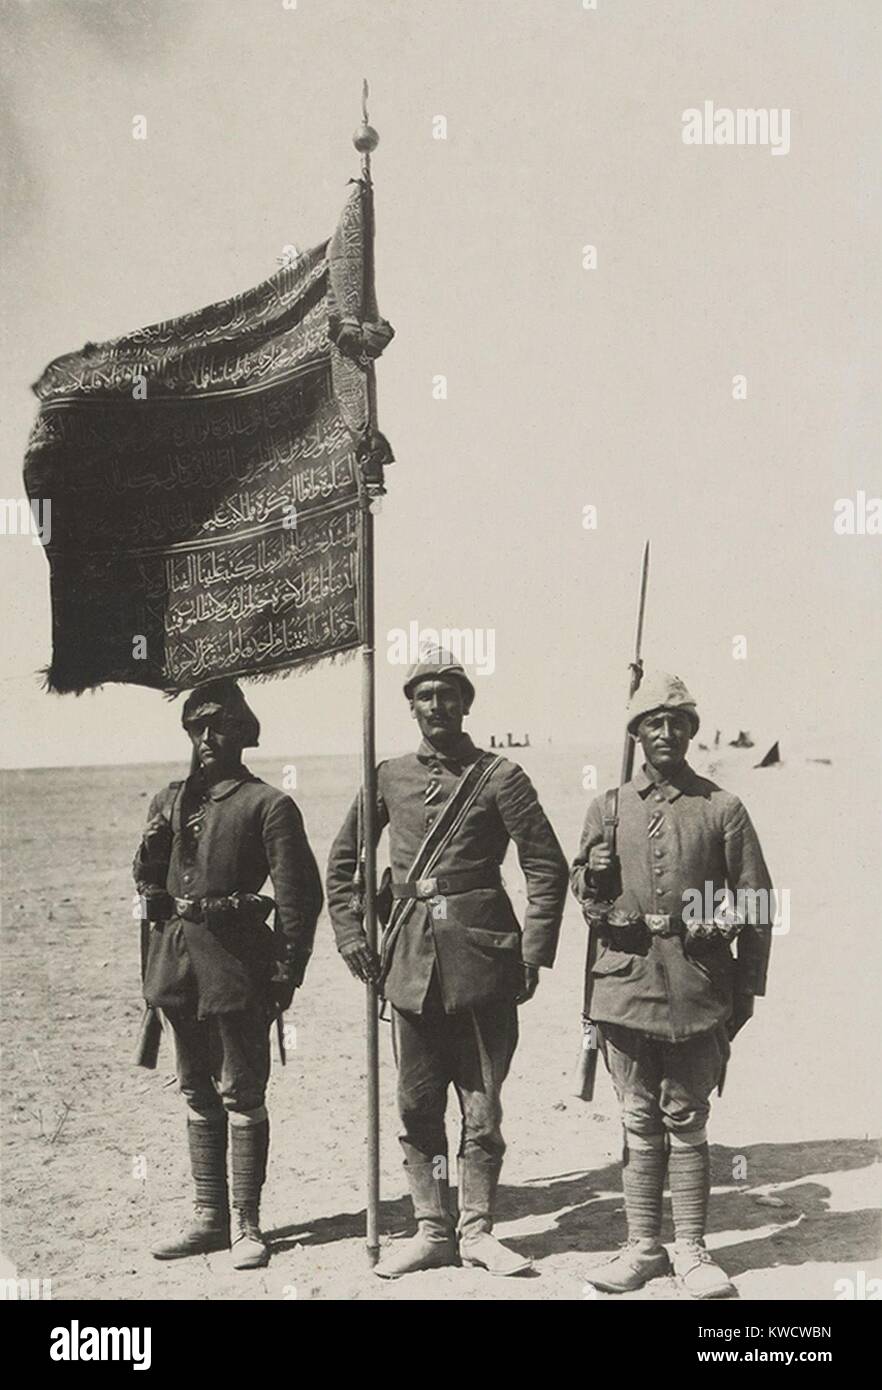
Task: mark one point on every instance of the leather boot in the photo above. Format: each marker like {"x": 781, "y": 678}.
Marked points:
{"x": 209, "y": 1228}
{"x": 478, "y": 1181}
{"x": 630, "y": 1268}
{"x": 248, "y": 1153}
{"x": 434, "y": 1245}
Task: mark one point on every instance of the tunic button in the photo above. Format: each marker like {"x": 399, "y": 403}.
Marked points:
{"x": 658, "y": 872}
{"x": 658, "y": 854}
{"x": 658, "y": 797}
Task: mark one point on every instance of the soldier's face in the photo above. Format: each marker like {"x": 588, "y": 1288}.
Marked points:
{"x": 664, "y": 736}
{"x": 217, "y": 743}
{"x": 437, "y": 706}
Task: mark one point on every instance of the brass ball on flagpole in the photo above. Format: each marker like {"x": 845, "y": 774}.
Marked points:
{"x": 365, "y": 139}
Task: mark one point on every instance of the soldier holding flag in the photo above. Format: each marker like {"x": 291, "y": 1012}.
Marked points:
{"x": 454, "y": 962}
{"x": 214, "y": 966}
{"x": 668, "y": 996}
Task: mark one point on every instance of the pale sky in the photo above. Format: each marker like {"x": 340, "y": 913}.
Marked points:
{"x": 566, "y": 387}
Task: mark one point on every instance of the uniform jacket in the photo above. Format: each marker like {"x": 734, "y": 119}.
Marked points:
{"x": 673, "y": 837}
{"x": 473, "y": 938}
{"x": 225, "y": 840}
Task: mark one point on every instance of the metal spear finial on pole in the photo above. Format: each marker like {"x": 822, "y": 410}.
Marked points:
{"x": 365, "y": 138}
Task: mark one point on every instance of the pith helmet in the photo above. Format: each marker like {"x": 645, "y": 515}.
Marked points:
{"x": 223, "y": 696}
{"x": 661, "y": 691}
{"x": 435, "y": 663}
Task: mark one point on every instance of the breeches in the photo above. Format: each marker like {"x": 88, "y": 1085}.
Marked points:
{"x": 470, "y": 1051}
{"x": 223, "y": 1062}
{"x": 662, "y": 1085}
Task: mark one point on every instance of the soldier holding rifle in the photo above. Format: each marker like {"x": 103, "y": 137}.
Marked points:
{"x": 668, "y": 995}
{"x": 214, "y": 966}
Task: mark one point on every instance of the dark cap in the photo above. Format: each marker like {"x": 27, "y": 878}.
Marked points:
{"x": 223, "y": 696}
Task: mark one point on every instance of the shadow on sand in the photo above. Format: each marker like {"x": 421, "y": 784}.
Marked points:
{"x": 587, "y": 1215}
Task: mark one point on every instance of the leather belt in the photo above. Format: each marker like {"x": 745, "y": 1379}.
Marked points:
{"x": 663, "y": 924}
{"x": 243, "y": 907}
{"x": 442, "y": 884}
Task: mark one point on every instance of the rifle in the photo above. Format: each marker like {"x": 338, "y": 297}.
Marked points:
{"x": 596, "y": 911}
{"x": 150, "y": 1032}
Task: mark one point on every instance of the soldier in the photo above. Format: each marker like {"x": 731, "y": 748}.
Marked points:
{"x": 214, "y": 966}
{"x": 668, "y": 995}
{"x": 455, "y": 963}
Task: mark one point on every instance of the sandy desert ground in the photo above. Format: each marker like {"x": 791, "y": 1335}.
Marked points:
{"x": 94, "y": 1162}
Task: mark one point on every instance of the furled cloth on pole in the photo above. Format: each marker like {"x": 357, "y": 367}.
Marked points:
{"x": 203, "y": 476}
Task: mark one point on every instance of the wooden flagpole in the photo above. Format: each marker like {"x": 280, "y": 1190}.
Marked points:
{"x": 366, "y": 140}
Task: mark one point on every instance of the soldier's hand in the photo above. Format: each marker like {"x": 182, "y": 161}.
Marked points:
{"x": 529, "y": 986}
{"x": 600, "y": 859}
{"x": 742, "y": 1010}
{"x": 363, "y": 963}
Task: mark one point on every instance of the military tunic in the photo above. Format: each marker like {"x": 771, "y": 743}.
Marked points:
{"x": 476, "y": 945}
{"x": 211, "y": 976}
{"x": 458, "y": 962}
{"x": 677, "y": 841}
{"x": 228, "y": 840}
{"x": 661, "y": 1001}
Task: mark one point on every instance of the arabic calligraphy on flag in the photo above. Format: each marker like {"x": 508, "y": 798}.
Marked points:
{"x": 204, "y": 482}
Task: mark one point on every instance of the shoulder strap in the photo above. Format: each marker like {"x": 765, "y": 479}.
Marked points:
{"x": 611, "y": 817}
{"x": 450, "y": 818}
{"x": 176, "y": 808}
{"x": 452, "y": 813}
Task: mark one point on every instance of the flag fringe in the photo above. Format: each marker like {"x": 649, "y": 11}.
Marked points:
{"x": 55, "y": 682}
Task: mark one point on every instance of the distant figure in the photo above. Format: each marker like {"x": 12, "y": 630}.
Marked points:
{"x": 526, "y": 740}
{"x": 668, "y": 994}
{"x": 742, "y": 741}
{"x": 492, "y": 740}
{"x": 717, "y": 739}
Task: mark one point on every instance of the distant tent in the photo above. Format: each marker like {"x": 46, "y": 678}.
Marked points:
{"x": 742, "y": 741}
{"x": 772, "y": 757}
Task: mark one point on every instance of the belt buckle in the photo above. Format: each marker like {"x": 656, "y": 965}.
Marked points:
{"x": 731, "y": 929}
{"x": 596, "y": 914}
{"x": 658, "y": 923}
{"x": 701, "y": 931}
{"x": 185, "y": 907}
{"x": 426, "y": 887}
